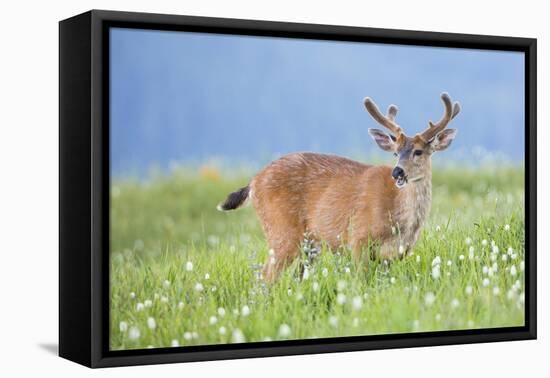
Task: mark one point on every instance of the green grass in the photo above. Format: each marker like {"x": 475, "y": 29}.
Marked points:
{"x": 160, "y": 225}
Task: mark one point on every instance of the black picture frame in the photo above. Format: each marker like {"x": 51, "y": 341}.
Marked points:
{"x": 84, "y": 188}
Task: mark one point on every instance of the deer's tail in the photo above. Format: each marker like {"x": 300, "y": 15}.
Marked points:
{"x": 235, "y": 200}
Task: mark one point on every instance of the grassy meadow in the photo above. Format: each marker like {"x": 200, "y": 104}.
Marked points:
{"x": 183, "y": 273}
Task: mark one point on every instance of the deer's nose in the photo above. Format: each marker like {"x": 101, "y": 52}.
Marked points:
{"x": 397, "y": 172}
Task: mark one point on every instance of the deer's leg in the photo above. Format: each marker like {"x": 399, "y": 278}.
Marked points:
{"x": 283, "y": 251}
{"x": 389, "y": 251}
{"x": 363, "y": 251}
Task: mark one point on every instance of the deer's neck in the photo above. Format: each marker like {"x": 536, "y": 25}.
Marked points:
{"x": 413, "y": 207}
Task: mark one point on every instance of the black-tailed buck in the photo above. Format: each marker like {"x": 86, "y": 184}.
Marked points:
{"x": 340, "y": 201}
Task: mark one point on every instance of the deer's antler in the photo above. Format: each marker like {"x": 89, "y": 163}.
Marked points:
{"x": 387, "y": 121}
{"x": 451, "y": 110}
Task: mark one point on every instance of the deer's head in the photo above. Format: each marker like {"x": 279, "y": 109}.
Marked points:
{"x": 414, "y": 153}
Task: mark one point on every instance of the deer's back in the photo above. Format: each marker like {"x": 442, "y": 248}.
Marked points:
{"x": 304, "y": 175}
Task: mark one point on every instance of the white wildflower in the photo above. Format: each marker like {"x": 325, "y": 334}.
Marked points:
{"x": 510, "y": 250}
{"x": 199, "y": 287}
{"x": 151, "y": 323}
{"x": 315, "y": 286}
{"x": 437, "y": 228}
{"x": 132, "y": 295}
{"x": 416, "y": 325}
{"x": 355, "y": 322}
{"x": 484, "y": 242}
{"x": 207, "y": 276}
{"x": 305, "y": 276}
{"x": 164, "y": 299}
{"x": 347, "y": 270}
{"x": 324, "y": 272}
{"x": 139, "y": 306}
{"x": 485, "y": 282}
{"x": 222, "y": 331}
{"x": 189, "y": 266}
{"x": 469, "y": 290}
{"x": 187, "y": 336}
{"x": 418, "y": 259}
{"x": 522, "y": 265}
{"x": 166, "y": 284}
{"x": 123, "y": 326}
{"x": 506, "y": 227}
{"x": 504, "y": 257}
{"x": 221, "y": 311}
{"x": 436, "y": 272}
{"x": 175, "y": 343}
{"x": 461, "y": 257}
{"x": 455, "y": 303}
{"x": 496, "y": 290}
{"x": 468, "y": 241}
{"x": 333, "y": 320}
{"x": 245, "y": 311}
{"x": 181, "y": 305}
{"x": 213, "y": 320}
{"x": 392, "y": 280}
{"x": 485, "y": 269}
{"x": 341, "y": 285}
{"x": 471, "y": 251}
{"x": 437, "y": 317}
{"x": 401, "y": 249}
{"x": 134, "y": 333}
{"x": 341, "y": 298}
{"x": 429, "y": 299}
{"x": 436, "y": 261}
{"x": 238, "y": 336}
{"x": 284, "y": 331}
{"x": 495, "y": 249}
{"x": 357, "y": 303}
{"x": 513, "y": 271}
{"x": 449, "y": 263}
{"x": 148, "y": 303}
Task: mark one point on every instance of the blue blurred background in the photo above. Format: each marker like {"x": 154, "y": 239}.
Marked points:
{"x": 192, "y": 98}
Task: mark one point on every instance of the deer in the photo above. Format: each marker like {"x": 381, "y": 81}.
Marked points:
{"x": 339, "y": 201}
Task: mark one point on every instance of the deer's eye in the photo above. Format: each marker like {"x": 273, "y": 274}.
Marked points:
{"x": 395, "y": 154}
{"x": 417, "y": 152}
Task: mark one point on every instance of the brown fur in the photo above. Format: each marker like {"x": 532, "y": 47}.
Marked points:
{"x": 334, "y": 200}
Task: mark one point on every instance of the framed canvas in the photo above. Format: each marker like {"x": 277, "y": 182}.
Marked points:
{"x": 235, "y": 188}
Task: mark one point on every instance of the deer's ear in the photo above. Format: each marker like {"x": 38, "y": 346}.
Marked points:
{"x": 384, "y": 141}
{"x": 443, "y": 140}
